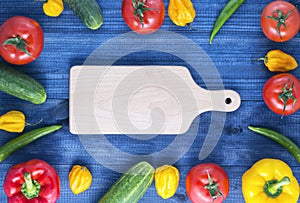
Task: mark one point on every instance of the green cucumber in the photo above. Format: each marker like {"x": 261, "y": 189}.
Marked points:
{"x": 20, "y": 85}
{"x": 88, "y": 11}
{"x": 131, "y": 186}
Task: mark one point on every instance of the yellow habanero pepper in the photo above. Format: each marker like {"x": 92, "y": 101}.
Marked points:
{"x": 166, "y": 181}
{"x": 278, "y": 61}
{"x": 181, "y": 12}
{"x": 80, "y": 179}
{"x": 270, "y": 181}
{"x": 53, "y": 8}
{"x": 12, "y": 121}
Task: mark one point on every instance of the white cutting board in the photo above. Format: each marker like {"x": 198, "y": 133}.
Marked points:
{"x": 140, "y": 100}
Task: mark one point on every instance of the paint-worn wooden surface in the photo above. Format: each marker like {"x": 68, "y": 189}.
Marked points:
{"x": 68, "y": 43}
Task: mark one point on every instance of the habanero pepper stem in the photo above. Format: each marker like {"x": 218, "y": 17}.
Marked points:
{"x": 280, "y": 139}
{"x": 225, "y": 14}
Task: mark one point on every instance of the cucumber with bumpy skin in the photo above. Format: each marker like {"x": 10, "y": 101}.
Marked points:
{"x": 20, "y": 85}
{"x": 88, "y": 11}
{"x": 131, "y": 186}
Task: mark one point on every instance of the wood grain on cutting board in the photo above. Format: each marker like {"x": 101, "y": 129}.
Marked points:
{"x": 140, "y": 100}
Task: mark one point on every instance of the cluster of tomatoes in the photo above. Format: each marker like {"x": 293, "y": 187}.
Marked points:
{"x": 22, "y": 38}
{"x": 280, "y": 22}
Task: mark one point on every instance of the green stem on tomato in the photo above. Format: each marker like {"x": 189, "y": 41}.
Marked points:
{"x": 140, "y": 8}
{"x": 280, "y": 139}
{"x": 280, "y": 20}
{"x": 286, "y": 94}
{"x": 213, "y": 188}
{"x": 19, "y": 43}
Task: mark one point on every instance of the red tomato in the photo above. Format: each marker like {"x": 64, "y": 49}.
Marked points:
{"x": 278, "y": 21}
{"x": 281, "y": 93}
{"x": 143, "y": 16}
{"x": 207, "y": 183}
{"x": 21, "y": 40}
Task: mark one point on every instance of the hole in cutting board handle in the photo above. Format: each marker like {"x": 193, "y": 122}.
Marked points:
{"x": 228, "y": 100}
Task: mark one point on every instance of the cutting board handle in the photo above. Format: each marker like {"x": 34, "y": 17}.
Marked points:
{"x": 218, "y": 100}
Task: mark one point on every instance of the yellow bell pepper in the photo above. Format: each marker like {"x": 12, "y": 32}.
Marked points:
{"x": 12, "y": 121}
{"x": 166, "y": 181}
{"x": 53, "y": 8}
{"x": 278, "y": 61}
{"x": 270, "y": 181}
{"x": 181, "y": 12}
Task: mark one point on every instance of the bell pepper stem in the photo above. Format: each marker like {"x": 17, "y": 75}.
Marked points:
{"x": 30, "y": 188}
{"x": 273, "y": 188}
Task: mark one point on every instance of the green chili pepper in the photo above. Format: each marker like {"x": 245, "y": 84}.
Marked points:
{"x": 280, "y": 139}
{"x": 225, "y": 14}
{"x": 25, "y": 139}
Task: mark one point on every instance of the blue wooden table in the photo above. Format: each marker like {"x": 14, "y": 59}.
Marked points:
{"x": 68, "y": 42}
